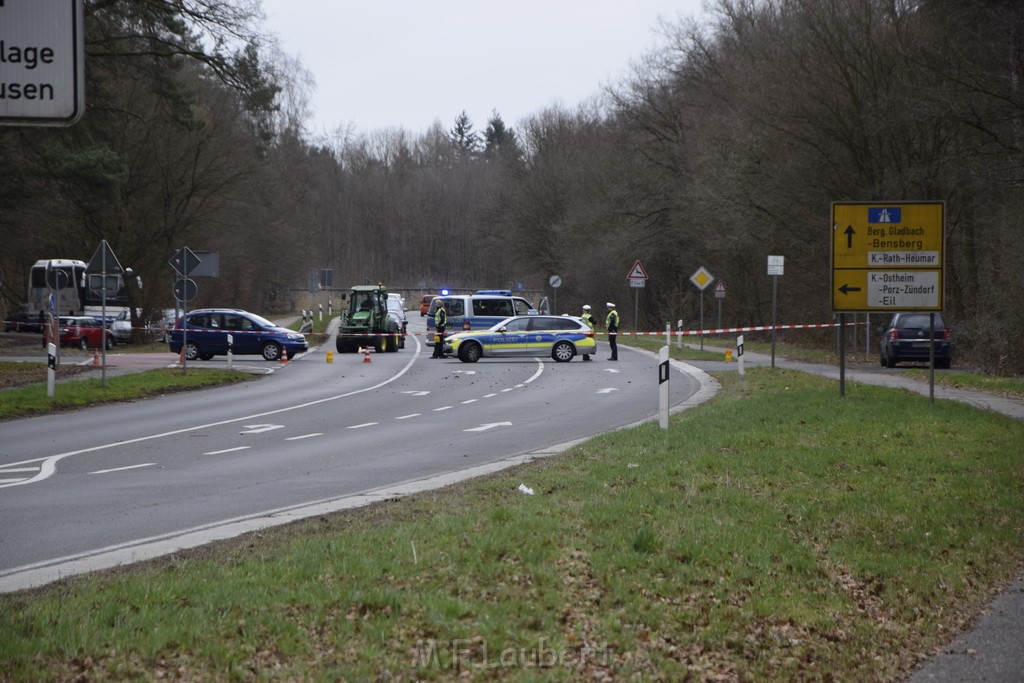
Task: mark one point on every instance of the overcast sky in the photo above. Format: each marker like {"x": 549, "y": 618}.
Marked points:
{"x": 404, "y": 63}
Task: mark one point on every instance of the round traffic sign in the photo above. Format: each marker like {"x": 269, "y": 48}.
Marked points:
{"x": 185, "y": 289}
{"x": 555, "y": 281}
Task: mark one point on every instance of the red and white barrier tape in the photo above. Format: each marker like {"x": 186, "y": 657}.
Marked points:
{"x": 715, "y": 330}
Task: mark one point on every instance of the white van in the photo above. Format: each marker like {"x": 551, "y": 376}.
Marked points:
{"x": 481, "y": 310}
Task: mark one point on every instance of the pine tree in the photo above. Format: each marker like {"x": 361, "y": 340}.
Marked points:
{"x": 499, "y": 139}
{"x": 466, "y": 142}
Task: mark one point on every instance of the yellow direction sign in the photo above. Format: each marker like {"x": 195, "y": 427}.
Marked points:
{"x": 888, "y": 256}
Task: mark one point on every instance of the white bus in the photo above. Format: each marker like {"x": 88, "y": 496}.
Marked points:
{"x": 65, "y": 280}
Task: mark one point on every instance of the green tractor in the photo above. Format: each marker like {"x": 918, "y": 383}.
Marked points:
{"x": 366, "y": 322}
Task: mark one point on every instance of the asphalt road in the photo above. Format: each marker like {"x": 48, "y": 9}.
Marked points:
{"x": 108, "y": 480}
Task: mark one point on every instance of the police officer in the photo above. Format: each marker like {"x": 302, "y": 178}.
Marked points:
{"x": 589, "y": 320}
{"x": 440, "y": 323}
{"x": 612, "y": 323}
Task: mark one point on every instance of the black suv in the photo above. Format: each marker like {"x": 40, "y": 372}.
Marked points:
{"x": 906, "y": 339}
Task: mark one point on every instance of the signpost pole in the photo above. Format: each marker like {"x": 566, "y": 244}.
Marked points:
{"x": 775, "y": 295}
{"x": 636, "y": 311}
{"x": 702, "y": 320}
{"x": 103, "y": 312}
{"x": 842, "y": 354}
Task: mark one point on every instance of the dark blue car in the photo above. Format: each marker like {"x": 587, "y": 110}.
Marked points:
{"x": 208, "y": 330}
{"x": 906, "y": 338}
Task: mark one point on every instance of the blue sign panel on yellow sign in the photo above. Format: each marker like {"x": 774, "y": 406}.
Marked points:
{"x": 884, "y": 214}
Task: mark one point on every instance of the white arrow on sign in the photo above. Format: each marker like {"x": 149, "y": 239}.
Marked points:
{"x": 416, "y": 393}
{"x": 490, "y": 425}
{"x": 612, "y": 370}
{"x": 256, "y": 429}
{"x": 607, "y": 391}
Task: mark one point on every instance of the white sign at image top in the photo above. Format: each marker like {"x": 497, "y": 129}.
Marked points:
{"x": 42, "y": 62}
{"x": 776, "y": 264}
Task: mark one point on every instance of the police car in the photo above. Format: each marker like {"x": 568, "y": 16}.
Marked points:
{"x": 560, "y": 337}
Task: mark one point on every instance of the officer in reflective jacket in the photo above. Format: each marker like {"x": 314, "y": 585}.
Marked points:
{"x": 440, "y": 322}
{"x": 589, "y": 320}
{"x": 612, "y": 323}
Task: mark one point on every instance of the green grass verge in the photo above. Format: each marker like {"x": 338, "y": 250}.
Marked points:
{"x": 1004, "y": 386}
{"x": 31, "y": 400}
{"x": 778, "y": 532}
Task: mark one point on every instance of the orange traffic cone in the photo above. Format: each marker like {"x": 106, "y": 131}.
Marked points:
{"x": 284, "y": 356}
{"x": 96, "y": 357}
{"x": 366, "y": 355}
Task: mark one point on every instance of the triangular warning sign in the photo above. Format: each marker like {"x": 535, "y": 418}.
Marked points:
{"x": 103, "y": 261}
{"x": 638, "y": 272}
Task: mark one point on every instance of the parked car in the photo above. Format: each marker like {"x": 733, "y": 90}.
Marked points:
{"x": 398, "y": 298}
{"x": 208, "y": 330}
{"x": 906, "y": 338}
{"x": 22, "y": 318}
{"x": 560, "y": 337}
{"x": 160, "y": 328}
{"x": 425, "y": 303}
{"x": 82, "y": 331}
{"x": 397, "y": 311}
{"x": 121, "y": 327}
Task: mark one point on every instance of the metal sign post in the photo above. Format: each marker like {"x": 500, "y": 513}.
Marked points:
{"x": 720, "y": 296}
{"x": 102, "y": 265}
{"x": 637, "y": 280}
{"x": 776, "y": 266}
{"x": 701, "y": 279}
{"x": 184, "y": 262}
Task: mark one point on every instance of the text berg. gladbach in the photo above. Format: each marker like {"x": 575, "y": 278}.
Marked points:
{"x": 896, "y": 232}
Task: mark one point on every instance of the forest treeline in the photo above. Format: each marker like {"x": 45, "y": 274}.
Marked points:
{"x": 727, "y": 143}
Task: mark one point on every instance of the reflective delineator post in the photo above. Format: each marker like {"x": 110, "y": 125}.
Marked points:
{"x": 739, "y": 352}
{"x": 663, "y": 386}
{"x": 51, "y": 368}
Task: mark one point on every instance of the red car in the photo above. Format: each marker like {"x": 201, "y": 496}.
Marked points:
{"x": 83, "y": 332}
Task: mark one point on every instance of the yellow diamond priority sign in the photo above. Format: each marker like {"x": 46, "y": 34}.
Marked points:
{"x": 702, "y": 278}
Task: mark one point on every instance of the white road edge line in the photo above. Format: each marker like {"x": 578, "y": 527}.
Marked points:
{"x": 228, "y": 450}
{"x": 122, "y": 469}
{"x": 304, "y": 436}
